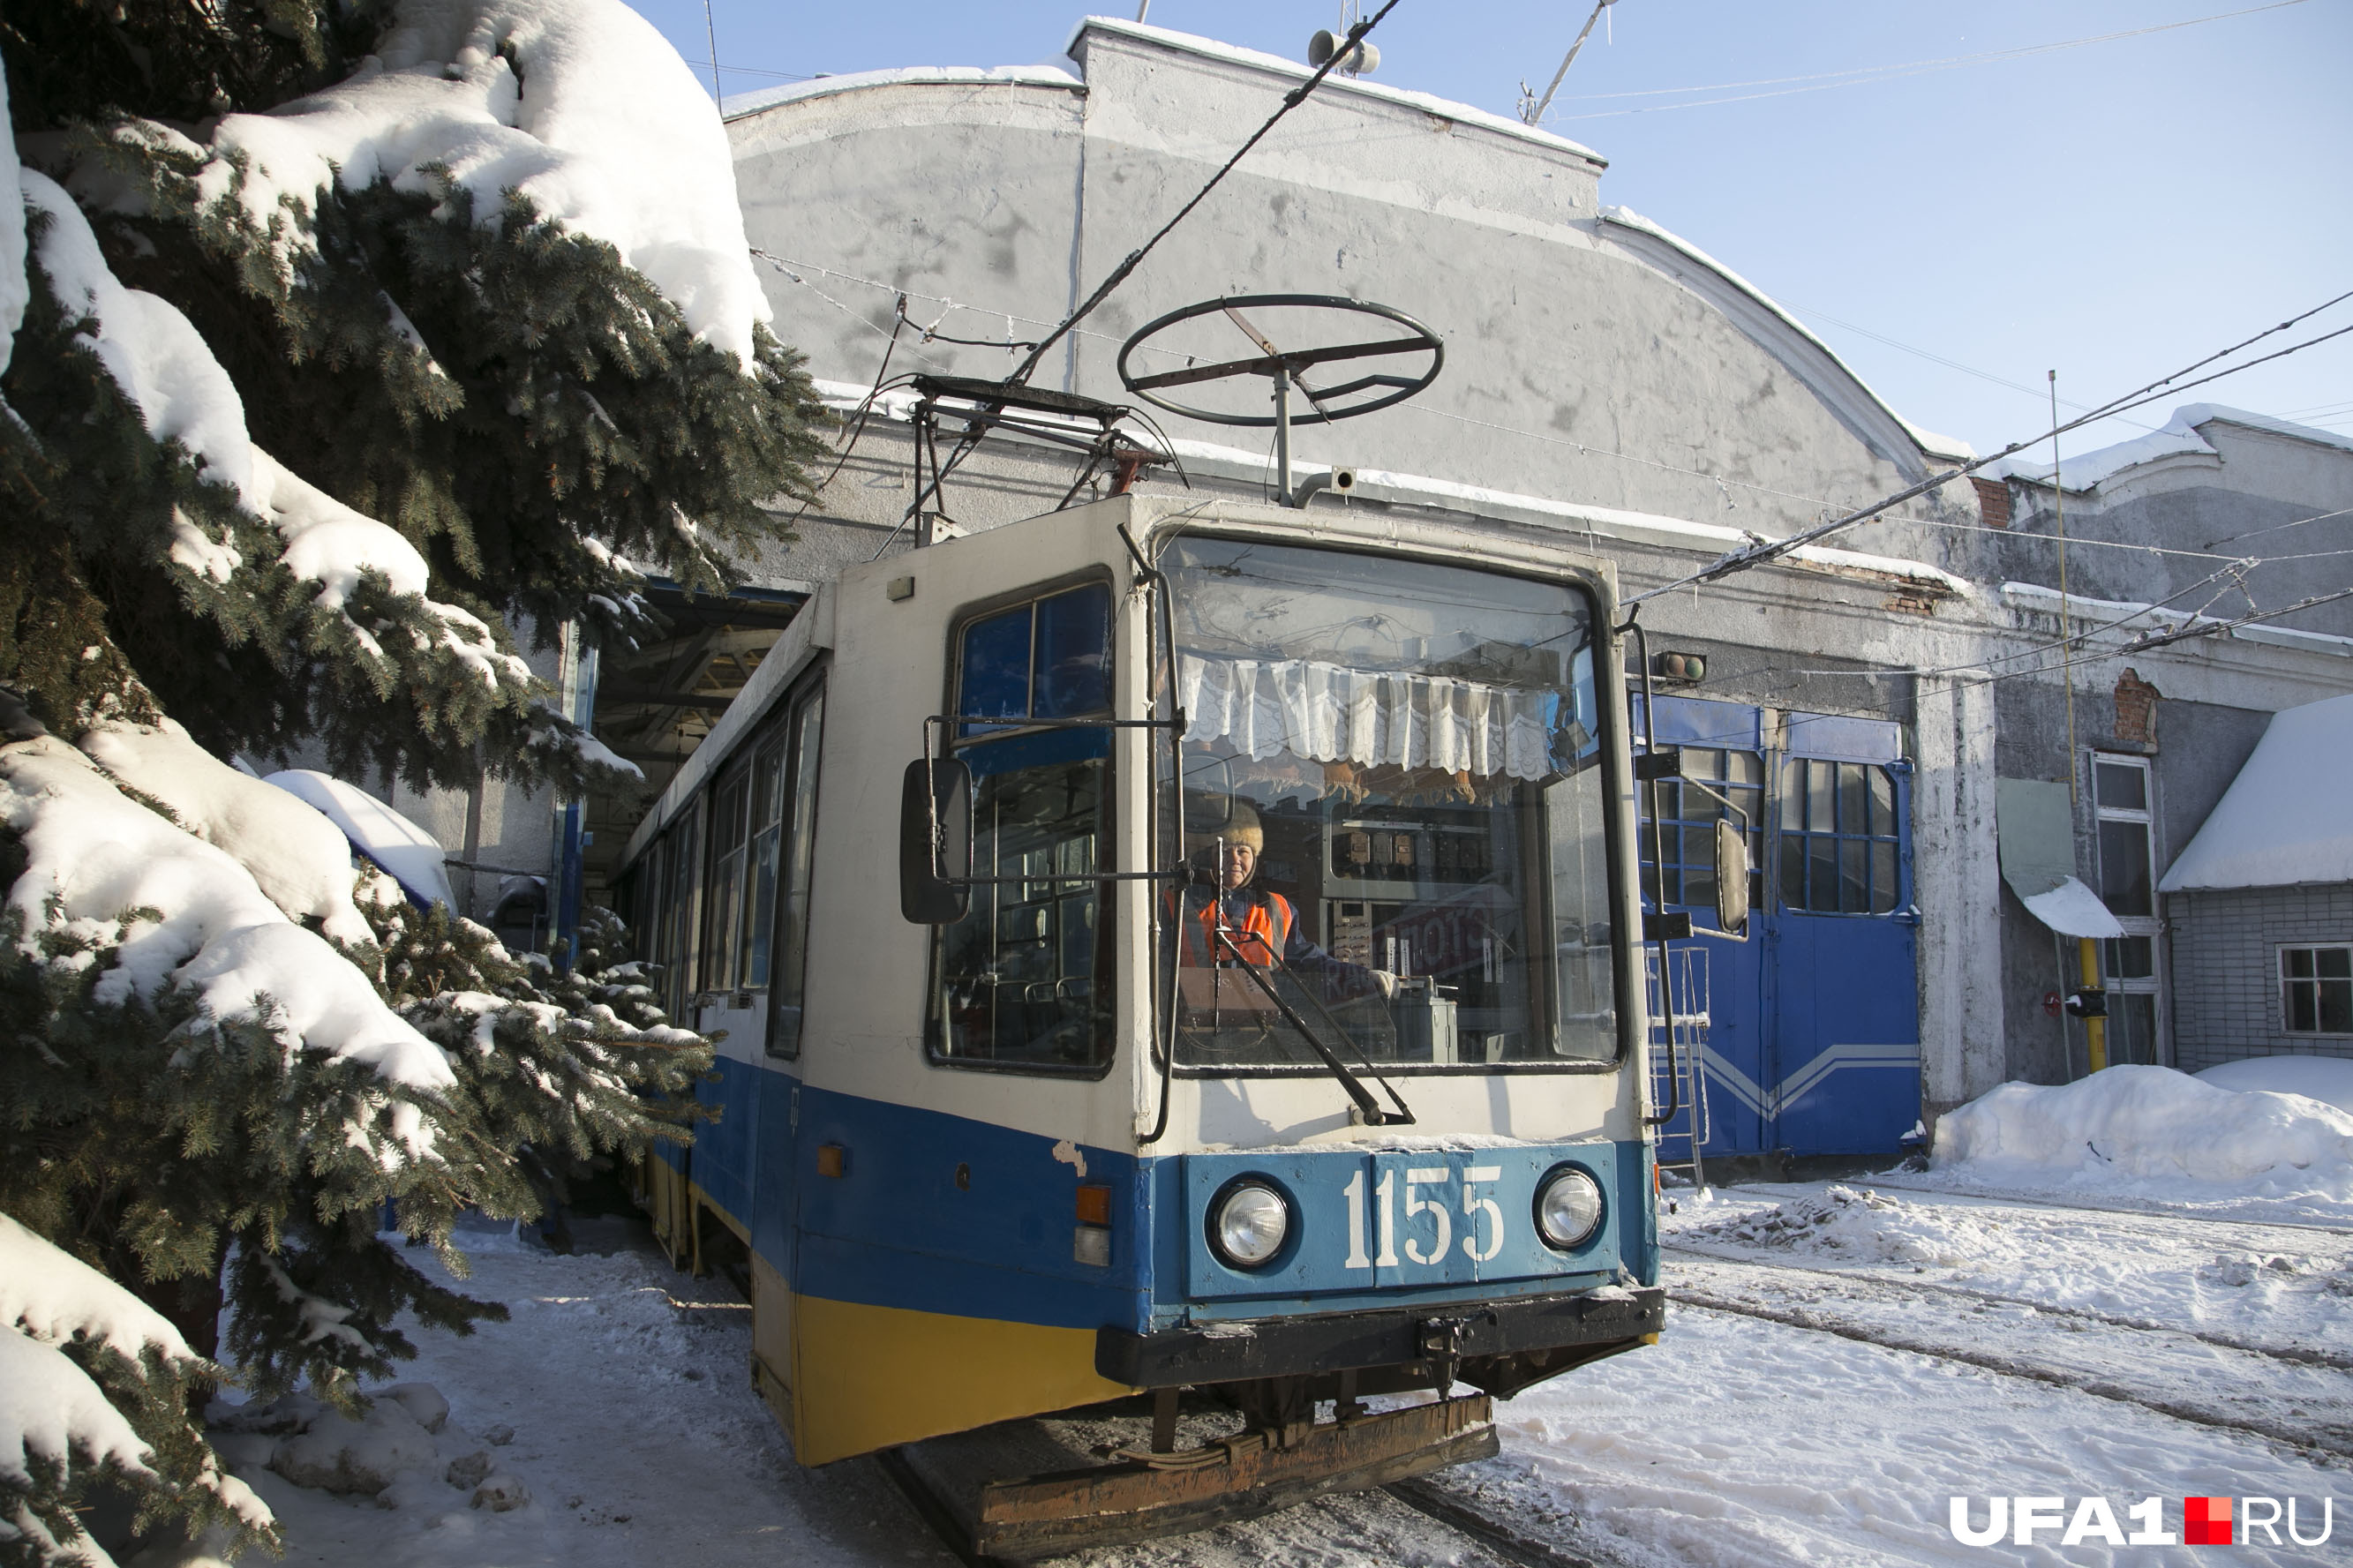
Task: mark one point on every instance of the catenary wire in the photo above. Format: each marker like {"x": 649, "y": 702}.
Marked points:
{"x": 1514, "y": 431}
{"x": 1868, "y": 76}
{"x": 1766, "y": 551}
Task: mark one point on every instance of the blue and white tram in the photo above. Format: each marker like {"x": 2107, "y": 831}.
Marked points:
{"x": 1276, "y": 1028}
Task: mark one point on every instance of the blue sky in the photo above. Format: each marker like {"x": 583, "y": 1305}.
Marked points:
{"x": 2112, "y": 211}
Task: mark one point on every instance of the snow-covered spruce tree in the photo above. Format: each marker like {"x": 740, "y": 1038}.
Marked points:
{"x": 336, "y": 337}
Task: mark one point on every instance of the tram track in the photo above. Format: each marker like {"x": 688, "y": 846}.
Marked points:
{"x": 2301, "y": 1435}
{"x": 1487, "y": 1533}
{"x": 2119, "y": 1207}
{"x": 2300, "y": 1355}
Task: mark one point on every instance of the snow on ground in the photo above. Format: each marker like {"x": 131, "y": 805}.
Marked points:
{"x": 1737, "y": 1440}
{"x": 636, "y": 1437}
{"x": 1737, "y": 1443}
{"x": 2151, "y": 1135}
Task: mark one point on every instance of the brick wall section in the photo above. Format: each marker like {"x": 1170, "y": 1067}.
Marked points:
{"x": 1993, "y": 501}
{"x": 2135, "y": 708}
{"x": 2225, "y": 949}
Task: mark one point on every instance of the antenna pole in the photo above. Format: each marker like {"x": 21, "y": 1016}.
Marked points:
{"x": 2066, "y": 637}
{"x": 1282, "y": 434}
{"x": 1537, "y": 113}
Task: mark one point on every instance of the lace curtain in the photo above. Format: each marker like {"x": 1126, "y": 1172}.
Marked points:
{"x": 1330, "y": 713}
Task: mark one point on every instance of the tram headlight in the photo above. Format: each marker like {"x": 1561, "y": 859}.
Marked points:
{"x": 1568, "y": 1207}
{"x": 1247, "y": 1225}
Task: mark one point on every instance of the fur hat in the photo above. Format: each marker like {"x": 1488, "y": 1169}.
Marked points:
{"x": 1209, "y": 818}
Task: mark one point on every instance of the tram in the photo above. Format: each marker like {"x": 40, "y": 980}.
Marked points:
{"x": 1171, "y": 949}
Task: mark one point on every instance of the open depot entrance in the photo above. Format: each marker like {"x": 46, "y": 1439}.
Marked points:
{"x": 655, "y": 704}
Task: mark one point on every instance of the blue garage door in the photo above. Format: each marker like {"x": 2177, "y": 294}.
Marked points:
{"x": 1812, "y": 1034}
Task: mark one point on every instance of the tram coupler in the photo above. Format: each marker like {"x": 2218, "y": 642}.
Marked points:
{"x": 1145, "y": 1496}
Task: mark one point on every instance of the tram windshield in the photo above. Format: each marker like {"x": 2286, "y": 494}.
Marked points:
{"x": 1392, "y": 814}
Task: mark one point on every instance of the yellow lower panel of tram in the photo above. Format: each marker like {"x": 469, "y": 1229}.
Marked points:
{"x": 870, "y": 1377}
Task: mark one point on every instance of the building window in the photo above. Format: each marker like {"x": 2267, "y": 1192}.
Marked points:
{"x": 2316, "y": 989}
{"x": 1691, "y": 813}
{"x": 2120, "y": 791}
{"x": 2122, "y": 804}
{"x": 1838, "y": 837}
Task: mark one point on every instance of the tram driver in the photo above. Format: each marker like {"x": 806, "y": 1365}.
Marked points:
{"x": 1228, "y": 921}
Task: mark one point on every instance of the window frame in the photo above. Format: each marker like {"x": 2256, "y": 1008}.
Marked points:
{"x": 1749, "y": 798}
{"x": 2280, "y": 951}
{"x": 796, "y": 846}
{"x": 2149, "y": 927}
{"x": 963, "y": 737}
{"x": 1622, "y": 854}
{"x": 1789, "y": 840}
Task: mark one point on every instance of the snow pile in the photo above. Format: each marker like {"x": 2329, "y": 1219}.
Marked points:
{"x": 2282, "y": 821}
{"x": 2153, "y": 1130}
{"x": 50, "y": 1410}
{"x": 1855, "y": 1224}
{"x": 2328, "y": 1080}
{"x": 93, "y": 856}
{"x": 579, "y": 106}
{"x": 412, "y": 856}
{"x": 185, "y": 395}
{"x": 403, "y": 1451}
{"x": 297, "y": 856}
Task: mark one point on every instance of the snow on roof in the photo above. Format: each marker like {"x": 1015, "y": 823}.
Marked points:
{"x": 596, "y": 121}
{"x": 411, "y": 855}
{"x": 1935, "y": 446}
{"x": 2071, "y": 909}
{"x": 2180, "y": 436}
{"x": 2284, "y": 819}
{"x": 1430, "y": 103}
{"x": 741, "y": 103}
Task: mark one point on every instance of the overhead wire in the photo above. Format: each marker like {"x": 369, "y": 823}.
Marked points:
{"x": 1865, "y": 76}
{"x": 1763, "y": 552}
{"x": 792, "y": 266}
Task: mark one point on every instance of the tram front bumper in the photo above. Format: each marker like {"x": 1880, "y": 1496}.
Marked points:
{"x": 1499, "y": 1346}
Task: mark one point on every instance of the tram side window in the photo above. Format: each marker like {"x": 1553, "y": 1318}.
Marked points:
{"x": 1023, "y": 980}
{"x": 788, "y": 973}
{"x": 1690, "y": 814}
{"x": 1838, "y": 838}
{"x": 722, "y": 901}
{"x": 679, "y": 911}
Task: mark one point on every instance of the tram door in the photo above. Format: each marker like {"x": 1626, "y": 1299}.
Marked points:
{"x": 1812, "y": 1023}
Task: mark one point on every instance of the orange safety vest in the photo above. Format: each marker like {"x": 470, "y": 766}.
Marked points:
{"x": 1260, "y": 934}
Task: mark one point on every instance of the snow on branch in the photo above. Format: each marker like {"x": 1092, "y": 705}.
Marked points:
{"x": 578, "y": 106}
{"x": 301, "y": 859}
{"x": 54, "y": 1416}
{"x": 53, "y": 1296}
{"x": 104, "y": 874}
{"x": 157, "y": 358}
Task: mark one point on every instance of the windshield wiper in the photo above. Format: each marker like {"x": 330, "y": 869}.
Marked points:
{"x": 1368, "y": 1109}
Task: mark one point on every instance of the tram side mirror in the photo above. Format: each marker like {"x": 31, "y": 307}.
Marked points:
{"x": 935, "y": 842}
{"x": 1731, "y": 880}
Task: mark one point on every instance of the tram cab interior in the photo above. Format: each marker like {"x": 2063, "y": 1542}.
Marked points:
{"x": 1238, "y": 1001}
